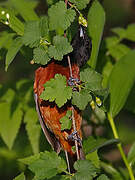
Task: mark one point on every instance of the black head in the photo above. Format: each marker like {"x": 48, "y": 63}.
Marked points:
{"x": 82, "y": 46}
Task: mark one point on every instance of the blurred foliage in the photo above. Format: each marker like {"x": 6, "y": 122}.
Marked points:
{"x": 21, "y": 135}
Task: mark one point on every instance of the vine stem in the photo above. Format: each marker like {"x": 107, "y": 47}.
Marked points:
{"x": 115, "y": 133}
{"x": 73, "y": 119}
{"x": 74, "y": 128}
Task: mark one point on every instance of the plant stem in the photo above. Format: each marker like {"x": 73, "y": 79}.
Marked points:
{"x": 115, "y": 133}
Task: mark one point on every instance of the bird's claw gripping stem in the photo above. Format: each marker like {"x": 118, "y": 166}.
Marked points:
{"x": 74, "y": 137}
{"x": 73, "y": 81}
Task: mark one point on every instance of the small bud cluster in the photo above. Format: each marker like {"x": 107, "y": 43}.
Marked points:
{"x": 4, "y": 17}
{"x": 98, "y": 103}
{"x": 82, "y": 21}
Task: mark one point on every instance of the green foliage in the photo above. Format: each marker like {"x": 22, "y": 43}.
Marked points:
{"x": 40, "y": 55}
{"x": 94, "y": 158}
{"x": 114, "y": 44}
{"x": 50, "y": 2}
{"x": 123, "y": 75}
{"x": 6, "y": 39}
{"x": 81, "y": 99}
{"x": 130, "y": 32}
{"x": 30, "y": 159}
{"x": 53, "y": 89}
{"x": 91, "y": 82}
{"x": 92, "y": 79}
{"x": 130, "y": 104}
{"x": 31, "y": 120}
{"x": 20, "y": 177}
{"x": 32, "y": 34}
{"x": 127, "y": 33}
{"x": 131, "y": 155}
{"x": 10, "y": 118}
{"x": 81, "y": 4}
{"x": 12, "y": 21}
{"x": 60, "y": 14}
{"x": 60, "y": 48}
{"x": 115, "y": 174}
{"x": 66, "y": 121}
{"x": 103, "y": 177}
{"x": 48, "y": 165}
{"x": 85, "y": 170}
{"x": 118, "y": 51}
{"x": 25, "y": 9}
{"x": 13, "y": 50}
{"x": 90, "y": 144}
{"x": 49, "y": 38}
{"x": 96, "y": 14}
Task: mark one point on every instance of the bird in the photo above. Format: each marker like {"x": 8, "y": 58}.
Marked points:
{"x": 49, "y": 113}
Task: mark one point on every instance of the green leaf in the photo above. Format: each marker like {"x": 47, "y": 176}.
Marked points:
{"x": 48, "y": 165}
{"x": 111, "y": 170}
{"x": 99, "y": 115}
{"x": 30, "y": 159}
{"x": 85, "y": 170}
{"x": 6, "y": 95}
{"x": 50, "y": 2}
{"x": 81, "y": 99}
{"x": 106, "y": 73}
{"x": 35, "y": 31}
{"x": 103, "y": 177}
{"x": 60, "y": 47}
{"x": 121, "y": 32}
{"x": 6, "y": 39}
{"x": 31, "y": 120}
{"x": 60, "y": 17}
{"x": 131, "y": 155}
{"x": 91, "y": 144}
{"x": 20, "y": 177}
{"x": 24, "y": 90}
{"x": 118, "y": 51}
{"x": 96, "y": 14}
{"x": 43, "y": 26}
{"x": 93, "y": 157}
{"x": 55, "y": 89}
{"x": 13, "y": 22}
{"x": 130, "y": 104}
{"x": 25, "y": 9}
{"x": 81, "y": 4}
{"x": 65, "y": 121}
{"x": 32, "y": 34}
{"x": 13, "y": 50}
{"x": 10, "y": 121}
{"x": 130, "y": 32}
{"x": 121, "y": 81}
{"x": 111, "y": 41}
{"x": 41, "y": 56}
{"x": 92, "y": 79}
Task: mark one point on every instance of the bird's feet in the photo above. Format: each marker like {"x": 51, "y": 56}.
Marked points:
{"x": 74, "y": 137}
{"x": 74, "y": 83}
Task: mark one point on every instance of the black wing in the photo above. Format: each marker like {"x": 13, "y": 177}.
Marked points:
{"x": 53, "y": 141}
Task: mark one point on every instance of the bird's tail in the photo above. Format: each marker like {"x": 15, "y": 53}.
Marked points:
{"x": 71, "y": 158}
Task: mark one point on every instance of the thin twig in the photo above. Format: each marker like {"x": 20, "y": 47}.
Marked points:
{"x": 67, "y": 161}
{"x": 74, "y": 128}
{"x": 73, "y": 119}
{"x": 66, "y": 1}
{"x": 70, "y": 67}
{"x": 72, "y": 6}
